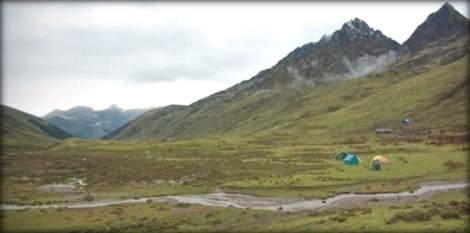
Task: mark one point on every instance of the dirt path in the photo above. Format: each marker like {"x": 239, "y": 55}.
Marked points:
{"x": 221, "y": 199}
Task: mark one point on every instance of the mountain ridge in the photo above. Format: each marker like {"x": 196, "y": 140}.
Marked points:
{"x": 260, "y": 103}
{"x": 85, "y": 122}
{"x": 19, "y": 128}
{"x": 446, "y": 22}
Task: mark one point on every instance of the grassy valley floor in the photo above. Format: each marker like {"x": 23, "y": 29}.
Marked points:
{"x": 89, "y": 170}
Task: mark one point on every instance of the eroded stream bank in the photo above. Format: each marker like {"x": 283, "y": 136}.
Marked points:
{"x": 267, "y": 203}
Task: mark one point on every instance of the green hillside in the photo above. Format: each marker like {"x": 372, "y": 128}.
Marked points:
{"x": 347, "y": 84}
{"x": 434, "y": 95}
{"x": 23, "y": 130}
{"x": 143, "y": 123}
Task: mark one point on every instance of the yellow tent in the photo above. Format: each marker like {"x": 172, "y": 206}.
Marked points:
{"x": 381, "y": 159}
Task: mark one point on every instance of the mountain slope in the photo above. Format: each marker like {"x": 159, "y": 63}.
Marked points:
{"x": 439, "y": 27}
{"x": 144, "y": 123}
{"x": 18, "y": 127}
{"x": 84, "y": 122}
{"x": 312, "y": 91}
{"x": 354, "y": 50}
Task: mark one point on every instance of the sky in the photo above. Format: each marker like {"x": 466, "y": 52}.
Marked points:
{"x": 57, "y": 55}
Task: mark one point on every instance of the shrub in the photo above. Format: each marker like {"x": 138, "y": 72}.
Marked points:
{"x": 208, "y": 215}
{"x": 451, "y": 165}
{"x": 333, "y": 108}
{"x": 367, "y": 211}
{"x": 401, "y": 158}
{"x": 349, "y": 214}
{"x": 338, "y": 218}
{"x": 215, "y": 222}
{"x": 88, "y": 197}
{"x": 411, "y": 216}
{"x": 453, "y": 202}
{"x": 183, "y": 205}
{"x": 449, "y": 214}
{"x": 434, "y": 211}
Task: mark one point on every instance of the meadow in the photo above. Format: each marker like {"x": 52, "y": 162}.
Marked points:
{"x": 256, "y": 166}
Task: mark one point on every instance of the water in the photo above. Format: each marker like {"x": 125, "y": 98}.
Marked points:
{"x": 254, "y": 202}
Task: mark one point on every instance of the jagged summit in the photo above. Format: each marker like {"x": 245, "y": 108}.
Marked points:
{"x": 354, "y": 50}
{"x": 114, "y": 106}
{"x": 442, "y": 25}
{"x": 357, "y": 25}
{"x": 353, "y": 26}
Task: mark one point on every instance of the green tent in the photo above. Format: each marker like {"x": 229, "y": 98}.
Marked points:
{"x": 376, "y": 165}
{"x": 341, "y": 155}
{"x": 351, "y": 159}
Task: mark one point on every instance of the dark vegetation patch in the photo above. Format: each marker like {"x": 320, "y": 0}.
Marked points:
{"x": 410, "y": 216}
{"x": 443, "y": 139}
{"x": 453, "y": 210}
{"x": 450, "y": 165}
{"x": 50, "y": 130}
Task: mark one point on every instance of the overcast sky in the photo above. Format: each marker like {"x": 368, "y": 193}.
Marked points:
{"x": 137, "y": 55}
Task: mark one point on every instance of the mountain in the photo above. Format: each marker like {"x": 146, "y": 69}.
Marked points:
{"x": 354, "y": 50}
{"x": 315, "y": 91}
{"x": 20, "y": 128}
{"x": 144, "y": 123}
{"x": 85, "y": 122}
{"x": 439, "y": 27}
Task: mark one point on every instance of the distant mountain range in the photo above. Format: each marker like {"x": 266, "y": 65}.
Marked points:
{"x": 85, "y": 122}
{"x": 316, "y": 89}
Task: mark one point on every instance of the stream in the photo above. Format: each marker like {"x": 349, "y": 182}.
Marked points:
{"x": 221, "y": 199}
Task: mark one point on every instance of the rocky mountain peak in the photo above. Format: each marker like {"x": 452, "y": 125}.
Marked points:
{"x": 442, "y": 25}
{"x": 356, "y": 25}
{"x": 114, "y": 107}
{"x": 352, "y": 51}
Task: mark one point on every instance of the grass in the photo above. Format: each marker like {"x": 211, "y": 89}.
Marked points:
{"x": 127, "y": 169}
{"x": 114, "y": 169}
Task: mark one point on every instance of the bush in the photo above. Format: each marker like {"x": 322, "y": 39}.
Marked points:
{"x": 411, "y": 216}
{"x": 333, "y": 108}
{"x": 401, "y": 158}
{"x": 367, "y": 211}
{"x": 183, "y": 205}
{"x": 88, "y": 197}
{"x": 338, "y": 219}
{"x": 434, "y": 211}
{"x": 449, "y": 214}
{"x": 453, "y": 202}
{"x": 215, "y": 222}
{"x": 208, "y": 215}
{"x": 451, "y": 165}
